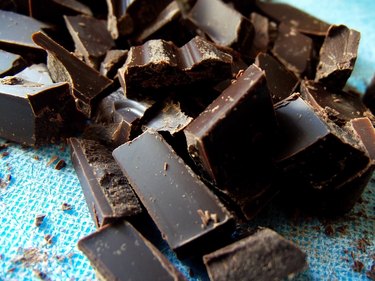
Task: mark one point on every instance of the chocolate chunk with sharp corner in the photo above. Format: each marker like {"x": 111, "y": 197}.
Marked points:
{"x": 37, "y": 73}
{"x": 10, "y": 63}
{"x": 112, "y": 61}
{"x": 261, "y": 39}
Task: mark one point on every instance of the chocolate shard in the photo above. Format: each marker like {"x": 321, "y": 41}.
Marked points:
{"x": 301, "y": 21}
{"x": 293, "y": 49}
{"x": 91, "y": 38}
{"x": 364, "y": 128}
{"x": 160, "y": 64}
{"x": 108, "y": 194}
{"x": 10, "y": 63}
{"x": 281, "y": 82}
{"x": 237, "y": 33}
{"x": 87, "y": 84}
{"x": 369, "y": 96}
{"x": 33, "y": 113}
{"x": 120, "y": 252}
{"x": 265, "y": 255}
{"x": 37, "y": 73}
{"x": 261, "y": 39}
{"x": 338, "y": 55}
{"x": 187, "y": 213}
{"x": 112, "y": 61}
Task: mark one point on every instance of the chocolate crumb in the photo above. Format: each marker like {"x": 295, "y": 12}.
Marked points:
{"x": 39, "y": 220}
{"x": 362, "y": 243}
{"x": 36, "y": 157}
{"x": 66, "y": 207}
{"x": 41, "y": 275}
{"x": 61, "y": 164}
{"x": 53, "y": 159}
{"x": 4, "y": 146}
{"x": 5, "y": 154}
{"x": 48, "y": 238}
{"x": 358, "y": 266}
{"x": 371, "y": 273}
{"x": 329, "y": 231}
{"x": 342, "y": 229}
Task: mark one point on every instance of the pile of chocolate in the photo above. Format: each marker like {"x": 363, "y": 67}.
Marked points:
{"x": 192, "y": 115}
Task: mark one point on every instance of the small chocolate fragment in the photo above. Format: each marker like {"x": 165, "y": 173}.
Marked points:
{"x": 174, "y": 195}
{"x": 119, "y": 252}
{"x": 209, "y": 15}
{"x": 66, "y": 207}
{"x": 108, "y": 194}
{"x": 39, "y": 220}
{"x": 87, "y": 84}
{"x": 369, "y": 96}
{"x": 337, "y": 56}
{"x": 112, "y": 61}
{"x": 261, "y": 39}
{"x": 60, "y": 164}
{"x": 10, "y": 63}
{"x": 281, "y": 82}
{"x": 293, "y": 49}
{"x": 266, "y": 255}
{"x": 303, "y": 22}
{"x": 91, "y": 38}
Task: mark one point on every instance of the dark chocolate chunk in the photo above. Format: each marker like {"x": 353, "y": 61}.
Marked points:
{"x": 173, "y": 195}
{"x": 10, "y": 63}
{"x": 87, "y": 84}
{"x": 337, "y": 56}
{"x": 112, "y": 61}
{"x": 37, "y": 73}
{"x": 39, "y": 220}
{"x": 91, "y": 38}
{"x": 303, "y": 22}
{"x": 238, "y": 32}
{"x": 120, "y": 252}
{"x": 108, "y": 194}
{"x": 369, "y": 96}
{"x": 366, "y": 132}
{"x": 261, "y": 39}
{"x": 266, "y": 255}
{"x": 66, "y": 207}
{"x": 293, "y": 49}
{"x": 281, "y": 82}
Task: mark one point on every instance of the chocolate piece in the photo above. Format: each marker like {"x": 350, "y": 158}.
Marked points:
{"x": 108, "y": 194}
{"x": 33, "y": 113}
{"x": 236, "y": 33}
{"x": 17, "y": 6}
{"x": 244, "y": 7}
{"x": 266, "y": 255}
{"x": 173, "y": 195}
{"x": 113, "y": 60}
{"x": 37, "y": 73}
{"x": 10, "y": 63}
{"x": 301, "y": 21}
{"x": 293, "y": 49}
{"x": 91, "y": 38}
{"x": 366, "y": 132}
{"x": 369, "y": 96}
{"x": 87, "y": 84}
{"x": 159, "y": 64}
{"x": 261, "y": 39}
{"x": 337, "y": 56}
{"x": 281, "y": 82}
{"x": 120, "y": 252}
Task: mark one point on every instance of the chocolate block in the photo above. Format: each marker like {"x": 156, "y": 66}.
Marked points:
{"x": 10, "y": 63}
{"x": 120, "y": 252}
{"x": 229, "y": 138}
{"x": 266, "y": 255}
{"x": 301, "y": 21}
{"x": 237, "y": 33}
{"x": 293, "y": 49}
{"x": 369, "y": 96}
{"x": 87, "y": 84}
{"x": 91, "y": 38}
{"x": 33, "y": 113}
{"x": 112, "y": 61}
{"x": 261, "y": 39}
{"x": 189, "y": 216}
{"x": 337, "y": 56}
{"x": 281, "y": 82}
{"x": 108, "y": 194}
{"x": 160, "y": 64}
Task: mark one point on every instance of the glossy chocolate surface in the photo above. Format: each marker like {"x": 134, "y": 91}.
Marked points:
{"x": 10, "y": 63}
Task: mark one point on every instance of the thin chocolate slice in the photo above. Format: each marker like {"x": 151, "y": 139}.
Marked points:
{"x": 119, "y": 252}
{"x": 281, "y": 82}
{"x": 369, "y": 96}
{"x": 303, "y": 22}
{"x": 293, "y": 49}
{"x": 265, "y": 255}
{"x": 338, "y": 55}
{"x": 188, "y": 214}
{"x": 209, "y": 15}
{"x": 91, "y": 38}
{"x": 10, "y": 63}
{"x": 88, "y": 86}
{"x": 108, "y": 194}
{"x": 112, "y": 61}
{"x": 33, "y": 113}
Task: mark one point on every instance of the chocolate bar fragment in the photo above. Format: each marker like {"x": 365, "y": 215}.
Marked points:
{"x": 265, "y": 255}
{"x": 369, "y": 96}
{"x": 338, "y": 55}
{"x": 237, "y": 33}
{"x": 301, "y": 21}
{"x": 37, "y": 73}
{"x": 120, "y": 252}
{"x": 261, "y": 39}
{"x": 88, "y": 86}
{"x": 112, "y": 61}
{"x": 33, "y": 113}
{"x": 10, "y": 63}
{"x": 293, "y": 49}
{"x": 366, "y": 132}
{"x": 281, "y": 82}
{"x": 160, "y": 64}
{"x": 108, "y": 194}
{"x": 91, "y": 38}
{"x": 187, "y": 213}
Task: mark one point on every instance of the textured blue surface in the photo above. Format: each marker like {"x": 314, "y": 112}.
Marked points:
{"x": 36, "y": 188}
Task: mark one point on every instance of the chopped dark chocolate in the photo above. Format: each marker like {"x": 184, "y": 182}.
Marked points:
{"x": 265, "y": 255}
{"x": 261, "y": 39}
{"x": 364, "y": 129}
{"x": 172, "y": 194}
{"x": 108, "y": 194}
{"x": 369, "y": 96}
{"x": 338, "y": 55}
{"x": 39, "y": 220}
{"x": 37, "y": 73}
{"x": 119, "y": 252}
{"x": 10, "y": 63}
{"x": 112, "y": 61}
{"x": 87, "y": 84}
{"x": 66, "y": 207}
{"x": 60, "y": 164}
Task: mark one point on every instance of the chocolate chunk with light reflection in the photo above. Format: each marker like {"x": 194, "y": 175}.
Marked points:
{"x": 10, "y": 63}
